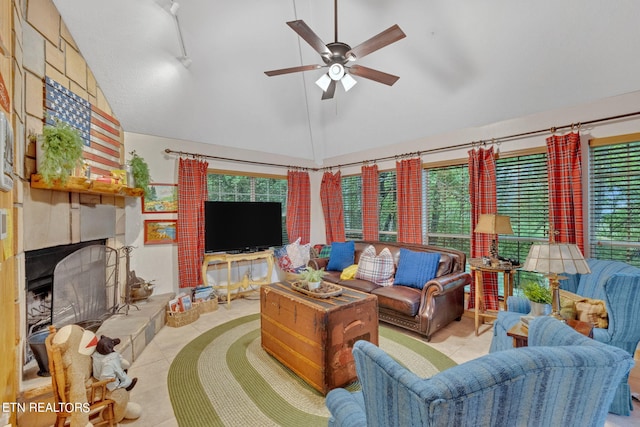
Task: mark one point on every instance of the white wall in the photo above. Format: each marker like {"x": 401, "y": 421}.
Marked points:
{"x": 159, "y": 262}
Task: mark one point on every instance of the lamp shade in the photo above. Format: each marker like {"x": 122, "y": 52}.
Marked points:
{"x": 558, "y": 258}
{"x": 493, "y": 224}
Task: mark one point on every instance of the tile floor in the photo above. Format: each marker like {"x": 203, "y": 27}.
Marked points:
{"x": 457, "y": 341}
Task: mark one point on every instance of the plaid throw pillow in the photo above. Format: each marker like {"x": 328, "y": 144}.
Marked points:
{"x": 377, "y": 269}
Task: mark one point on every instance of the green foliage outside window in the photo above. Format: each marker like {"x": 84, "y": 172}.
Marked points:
{"x": 615, "y": 202}
{"x": 244, "y": 188}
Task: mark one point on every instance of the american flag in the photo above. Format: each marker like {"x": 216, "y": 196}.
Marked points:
{"x": 100, "y": 132}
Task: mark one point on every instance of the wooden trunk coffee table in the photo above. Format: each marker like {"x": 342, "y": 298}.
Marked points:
{"x": 520, "y": 334}
{"x": 314, "y": 336}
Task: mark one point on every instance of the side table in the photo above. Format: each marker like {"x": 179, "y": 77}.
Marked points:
{"x": 228, "y": 259}
{"x": 477, "y": 267}
{"x": 520, "y": 334}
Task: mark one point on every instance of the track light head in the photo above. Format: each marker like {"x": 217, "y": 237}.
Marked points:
{"x": 174, "y": 8}
{"x": 186, "y": 61}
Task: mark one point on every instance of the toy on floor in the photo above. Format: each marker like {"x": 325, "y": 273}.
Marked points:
{"x": 108, "y": 363}
{"x": 77, "y": 345}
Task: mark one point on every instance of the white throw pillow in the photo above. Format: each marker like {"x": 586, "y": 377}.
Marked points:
{"x": 299, "y": 254}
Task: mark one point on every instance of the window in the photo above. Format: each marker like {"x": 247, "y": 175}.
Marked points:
{"x": 447, "y": 218}
{"x": 615, "y": 199}
{"x": 388, "y": 206}
{"x": 227, "y": 186}
{"x": 352, "y": 203}
{"x": 523, "y": 195}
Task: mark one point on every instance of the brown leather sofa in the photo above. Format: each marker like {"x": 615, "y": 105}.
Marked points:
{"x": 424, "y": 311}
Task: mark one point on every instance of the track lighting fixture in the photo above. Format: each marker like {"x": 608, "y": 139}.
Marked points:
{"x": 184, "y": 59}
{"x": 174, "y": 8}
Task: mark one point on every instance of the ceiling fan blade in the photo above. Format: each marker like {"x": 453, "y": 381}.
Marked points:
{"x": 371, "y": 74}
{"x": 388, "y": 36}
{"x": 309, "y": 36}
{"x": 328, "y": 94}
{"x": 292, "y": 70}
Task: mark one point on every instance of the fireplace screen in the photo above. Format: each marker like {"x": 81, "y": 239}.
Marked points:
{"x": 85, "y": 286}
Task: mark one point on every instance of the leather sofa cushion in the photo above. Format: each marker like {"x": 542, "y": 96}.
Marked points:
{"x": 401, "y": 299}
{"x": 360, "y": 285}
{"x": 356, "y": 284}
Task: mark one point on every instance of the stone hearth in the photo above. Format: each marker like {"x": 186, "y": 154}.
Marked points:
{"x": 135, "y": 329}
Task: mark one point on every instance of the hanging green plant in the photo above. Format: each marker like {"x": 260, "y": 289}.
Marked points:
{"x": 140, "y": 172}
{"x": 61, "y": 152}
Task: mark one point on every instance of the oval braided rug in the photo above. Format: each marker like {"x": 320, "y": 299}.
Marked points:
{"x": 225, "y": 378}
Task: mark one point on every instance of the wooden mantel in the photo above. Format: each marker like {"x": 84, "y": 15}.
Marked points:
{"x": 83, "y": 185}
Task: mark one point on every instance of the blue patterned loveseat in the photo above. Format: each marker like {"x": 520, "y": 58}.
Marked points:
{"x": 618, "y": 285}
{"x": 561, "y": 379}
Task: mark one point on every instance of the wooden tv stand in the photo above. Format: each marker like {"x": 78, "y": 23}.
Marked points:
{"x": 242, "y": 285}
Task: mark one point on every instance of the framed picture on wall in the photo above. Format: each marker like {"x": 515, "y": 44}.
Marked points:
{"x": 162, "y": 198}
{"x": 159, "y": 231}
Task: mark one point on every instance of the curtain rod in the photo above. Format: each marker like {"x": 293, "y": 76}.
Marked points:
{"x": 416, "y": 153}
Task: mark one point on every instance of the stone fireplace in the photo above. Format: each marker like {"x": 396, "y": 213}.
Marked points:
{"x": 57, "y": 224}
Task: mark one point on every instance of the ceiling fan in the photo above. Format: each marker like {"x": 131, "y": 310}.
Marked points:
{"x": 337, "y": 56}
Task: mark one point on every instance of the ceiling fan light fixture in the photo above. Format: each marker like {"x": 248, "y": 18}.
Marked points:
{"x": 336, "y": 72}
{"x": 348, "y": 82}
{"x": 323, "y": 82}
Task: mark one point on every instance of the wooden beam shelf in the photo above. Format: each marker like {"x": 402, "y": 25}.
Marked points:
{"x": 76, "y": 184}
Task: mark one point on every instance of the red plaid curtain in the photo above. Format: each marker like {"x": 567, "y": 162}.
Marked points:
{"x": 370, "y": 214}
{"x": 332, "y": 208}
{"x": 192, "y": 193}
{"x": 409, "y": 188}
{"x": 565, "y": 188}
{"x": 298, "y": 206}
{"x": 482, "y": 192}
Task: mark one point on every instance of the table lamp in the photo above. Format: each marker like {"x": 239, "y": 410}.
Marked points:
{"x": 493, "y": 224}
{"x": 552, "y": 259}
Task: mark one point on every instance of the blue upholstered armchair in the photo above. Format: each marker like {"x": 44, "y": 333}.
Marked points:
{"x": 562, "y": 378}
{"x": 618, "y": 285}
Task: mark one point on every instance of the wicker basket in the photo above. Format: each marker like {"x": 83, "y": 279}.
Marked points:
{"x": 176, "y": 319}
{"x": 207, "y": 306}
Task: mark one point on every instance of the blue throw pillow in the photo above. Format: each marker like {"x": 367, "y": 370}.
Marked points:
{"x": 416, "y": 268}
{"x": 342, "y": 255}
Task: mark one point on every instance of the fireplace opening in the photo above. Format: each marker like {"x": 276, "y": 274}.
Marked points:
{"x": 69, "y": 284}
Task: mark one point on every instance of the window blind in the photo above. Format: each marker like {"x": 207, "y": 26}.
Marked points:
{"x": 523, "y": 194}
{"x": 352, "y": 206}
{"x": 447, "y": 217}
{"x": 615, "y": 202}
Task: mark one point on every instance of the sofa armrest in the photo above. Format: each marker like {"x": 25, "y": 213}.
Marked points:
{"x": 447, "y": 283}
{"x": 548, "y": 331}
{"x": 518, "y": 304}
{"x": 318, "y": 263}
{"x": 622, "y": 297}
{"x": 347, "y": 409}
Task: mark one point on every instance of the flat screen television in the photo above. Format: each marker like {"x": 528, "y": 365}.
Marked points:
{"x": 242, "y": 226}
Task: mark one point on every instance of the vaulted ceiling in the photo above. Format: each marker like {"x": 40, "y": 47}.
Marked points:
{"x": 463, "y": 63}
